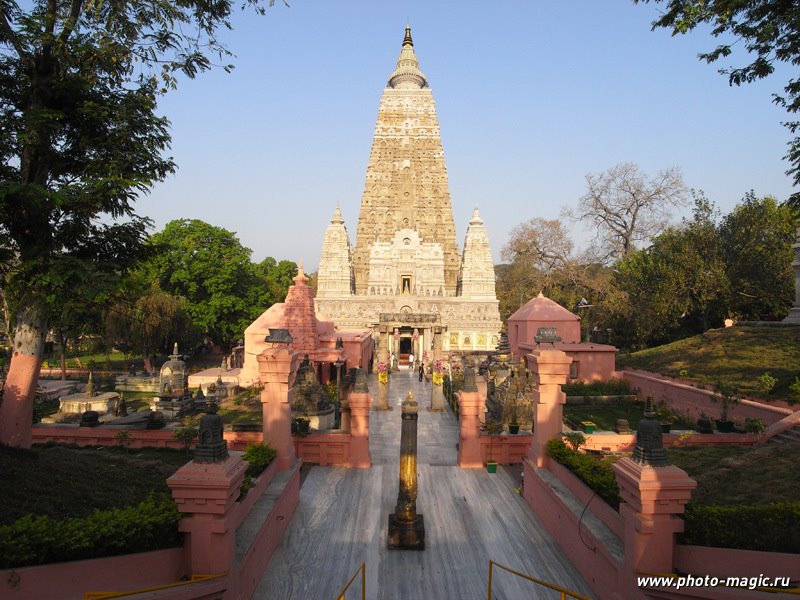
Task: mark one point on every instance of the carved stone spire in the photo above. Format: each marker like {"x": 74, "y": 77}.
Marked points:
{"x": 477, "y": 268}
{"x": 407, "y": 75}
{"x": 335, "y": 274}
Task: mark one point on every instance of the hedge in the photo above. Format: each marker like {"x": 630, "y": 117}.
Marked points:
{"x": 596, "y": 474}
{"x": 37, "y": 540}
{"x": 773, "y": 527}
{"x": 612, "y": 387}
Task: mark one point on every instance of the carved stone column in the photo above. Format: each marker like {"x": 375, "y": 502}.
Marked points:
{"x": 406, "y": 527}
{"x": 470, "y": 406}
{"x": 550, "y": 369}
{"x": 359, "y": 401}
{"x": 276, "y": 366}
{"x": 654, "y": 494}
{"x": 438, "y": 330}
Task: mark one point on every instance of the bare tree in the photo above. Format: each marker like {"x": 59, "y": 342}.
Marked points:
{"x": 542, "y": 243}
{"x": 627, "y": 208}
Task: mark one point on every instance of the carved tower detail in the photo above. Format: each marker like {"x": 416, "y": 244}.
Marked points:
{"x": 406, "y": 186}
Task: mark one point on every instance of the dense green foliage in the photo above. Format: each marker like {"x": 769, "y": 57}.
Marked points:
{"x": 690, "y": 278}
{"x": 80, "y": 140}
{"x": 32, "y": 540}
{"x": 209, "y": 268}
{"x": 259, "y": 456}
{"x": 597, "y": 474}
{"x": 773, "y": 527}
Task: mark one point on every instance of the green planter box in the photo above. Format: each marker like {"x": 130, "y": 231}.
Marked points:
{"x": 588, "y": 426}
{"x": 491, "y": 466}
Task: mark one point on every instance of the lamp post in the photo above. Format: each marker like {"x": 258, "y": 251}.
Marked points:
{"x": 583, "y": 303}
{"x": 337, "y": 423}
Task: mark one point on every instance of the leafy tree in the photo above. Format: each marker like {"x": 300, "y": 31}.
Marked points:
{"x": 757, "y": 237}
{"x": 768, "y": 30}
{"x": 150, "y": 324}
{"x": 209, "y": 267}
{"x": 626, "y": 208}
{"x": 678, "y": 285}
{"x": 277, "y": 277}
{"x": 80, "y": 139}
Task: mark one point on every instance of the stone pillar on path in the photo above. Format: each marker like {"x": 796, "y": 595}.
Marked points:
{"x": 406, "y": 527}
{"x": 550, "y": 369}
{"x": 276, "y": 366}
{"x": 383, "y": 358}
{"x": 438, "y": 330}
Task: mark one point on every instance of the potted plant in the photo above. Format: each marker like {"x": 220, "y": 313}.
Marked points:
{"x": 728, "y": 397}
{"x": 301, "y": 425}
{"x": 704, "y": 424}
{"x": 493, "y": 428}
{"x": 665, "y": 417}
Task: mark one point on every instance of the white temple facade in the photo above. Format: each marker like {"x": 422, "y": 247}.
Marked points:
{"x": 405, "y": 276}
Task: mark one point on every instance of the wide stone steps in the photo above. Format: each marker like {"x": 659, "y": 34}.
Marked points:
{"x": 788, "y": 436}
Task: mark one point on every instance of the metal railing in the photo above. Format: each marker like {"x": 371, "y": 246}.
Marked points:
{"x": 166, "y": 586}
{"x": 363, "y": 570}
{"x": 565, "y": 593}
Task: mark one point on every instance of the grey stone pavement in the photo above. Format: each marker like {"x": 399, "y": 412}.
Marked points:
{"x": 471, "y": 517}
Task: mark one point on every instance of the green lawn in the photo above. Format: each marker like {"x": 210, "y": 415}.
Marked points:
{"x": 66, "y": 481}
{"x": 605, "y": 416}
{"x": 738, "y": 355}
{"x": 742, "y": 475}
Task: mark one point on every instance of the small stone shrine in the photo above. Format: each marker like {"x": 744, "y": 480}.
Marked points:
{"x": 406, "y": 527}
{"x": 104, "y": 404}
{"x": 211, "y": 446}
{"x": 649, "y": 448}
{"x": 308, "y": 398}
{"x": 174, "y": 399}
{"x": 510, "y": 396}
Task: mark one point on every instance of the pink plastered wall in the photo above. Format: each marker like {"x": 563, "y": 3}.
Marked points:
{"x": 686, "y": 398}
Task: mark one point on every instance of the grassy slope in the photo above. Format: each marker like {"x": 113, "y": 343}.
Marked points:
{"x": 63, "y": 481}
{"x": 739, "y": 355}
{"x": 739, "y": 475}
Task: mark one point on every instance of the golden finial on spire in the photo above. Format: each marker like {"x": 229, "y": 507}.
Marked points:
{"x": 407, "y": 41}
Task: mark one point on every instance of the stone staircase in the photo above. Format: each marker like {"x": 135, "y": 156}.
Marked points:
{"x": 788, "y": 436}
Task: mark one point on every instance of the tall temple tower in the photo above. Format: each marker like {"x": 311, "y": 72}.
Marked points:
{"x": 406, "y": 186}
{"x": 405, "y": 277}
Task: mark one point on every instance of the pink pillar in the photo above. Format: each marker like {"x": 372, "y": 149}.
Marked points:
{"x": 360, "y": 403}
{"x": 276, "y": 365}
{"x": 470, "y": 405}
{"x": 550, "y": 369}
{"x": 206, "y": 494}
{"x": 652, "y": 499}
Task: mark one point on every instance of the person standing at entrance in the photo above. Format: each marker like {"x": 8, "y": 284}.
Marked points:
{"x": 410, "y": 362}
{"x": 421, "y": 371}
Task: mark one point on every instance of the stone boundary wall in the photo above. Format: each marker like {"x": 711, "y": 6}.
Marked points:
{"x": 594, "y": 561}
{"x": 585, "y": 494}
{"x": 115, "y": 573}
{"x": 730, "y": 562}
{"x": 138, "y": 438}
{"x": 505, "y": 449}
{"x": 686, "y": 398}
{"x": 624, "y": 442}
{"x": 324, "y": 449}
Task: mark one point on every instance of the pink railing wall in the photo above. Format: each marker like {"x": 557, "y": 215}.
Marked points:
{"x": 692, "y": 400}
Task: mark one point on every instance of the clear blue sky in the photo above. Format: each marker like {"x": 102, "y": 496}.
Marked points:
{"x": 531, "y": 96}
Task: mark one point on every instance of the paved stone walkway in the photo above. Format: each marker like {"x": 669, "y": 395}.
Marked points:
{"x": 471, "y": 516}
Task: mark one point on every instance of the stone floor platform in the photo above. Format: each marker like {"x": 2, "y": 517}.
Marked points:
{"x": 471, "y": 517}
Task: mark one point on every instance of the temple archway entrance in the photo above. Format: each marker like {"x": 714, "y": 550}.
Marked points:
{"x": 405, "y": 345}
